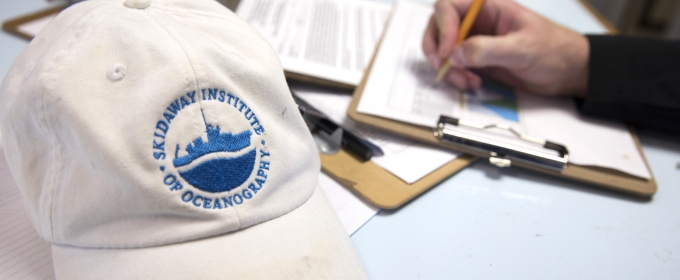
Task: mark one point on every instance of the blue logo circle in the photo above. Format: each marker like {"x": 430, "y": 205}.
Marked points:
{"x": 227, "y": 163}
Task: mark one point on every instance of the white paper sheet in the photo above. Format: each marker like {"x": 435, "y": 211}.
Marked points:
{"x": 352, "y": 211}
{"x": 33, "y": 27}
{"x": 23, "y": 254}
{"x": 329, "y": 39}
{"x": 406, "y": 159}
{"x": 591, "y": 142}
{"x": 401, "y": 87}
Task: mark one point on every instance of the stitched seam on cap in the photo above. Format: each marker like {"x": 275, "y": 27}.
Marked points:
{"x": 200, "y": 13}
{"x": 159, "y": 25}
{"x": 59, "y": 151}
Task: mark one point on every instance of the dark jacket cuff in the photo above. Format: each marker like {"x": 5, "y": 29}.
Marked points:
{"x": 635, "y": 80}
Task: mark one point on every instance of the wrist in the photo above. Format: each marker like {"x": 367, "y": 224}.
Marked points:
{"x": 577, "y": 81}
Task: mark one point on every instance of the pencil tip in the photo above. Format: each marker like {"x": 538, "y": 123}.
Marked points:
{"x": 439, "y": 77}
{"x": 442, "y": 71}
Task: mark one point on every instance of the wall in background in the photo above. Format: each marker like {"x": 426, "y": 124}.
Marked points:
{"x": 654, "y": 18}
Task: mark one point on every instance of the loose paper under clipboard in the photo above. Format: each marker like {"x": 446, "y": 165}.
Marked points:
{"x": 381, "y": 181}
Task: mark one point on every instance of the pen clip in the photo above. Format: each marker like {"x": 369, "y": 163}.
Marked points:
{"x": 326, "y": 134}
{"x": 328, "y": 144}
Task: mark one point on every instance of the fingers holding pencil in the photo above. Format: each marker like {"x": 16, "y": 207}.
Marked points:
{"x": 446, "y": 20}
{"x": 443, "y": 27}
{"x": 463, "y": 31}
{"x": 507, "y": 43}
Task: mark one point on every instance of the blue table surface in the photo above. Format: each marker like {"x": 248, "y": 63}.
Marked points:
{"x": 490, "y": 223}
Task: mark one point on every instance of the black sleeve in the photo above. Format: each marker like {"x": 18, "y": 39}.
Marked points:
{"x": 635, "y": 80}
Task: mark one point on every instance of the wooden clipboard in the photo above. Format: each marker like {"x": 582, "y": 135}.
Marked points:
{"x": 12, "y": 26}
{"x": 607, "y": 178}
{"x": 602, "y": 177}
{"x": 292, "y": 76}
{"x": 379, "y": 187}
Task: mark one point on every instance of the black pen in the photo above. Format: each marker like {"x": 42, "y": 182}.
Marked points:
{"x": 354, "y": 144}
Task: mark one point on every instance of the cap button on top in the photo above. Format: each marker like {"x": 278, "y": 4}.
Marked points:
{"x": 138, "y": 4}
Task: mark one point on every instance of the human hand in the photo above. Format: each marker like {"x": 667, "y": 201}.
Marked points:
{"x": 509, "y": 44}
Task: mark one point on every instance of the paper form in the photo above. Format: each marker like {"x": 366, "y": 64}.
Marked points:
{"x": 328, "y": 39}
{"x": 352, "y": 211}
{"x": 23, "y": 254}
{"x": 33, "y": 27}
{"x": 401, "y": 87}
{"x": 406, "y": 159}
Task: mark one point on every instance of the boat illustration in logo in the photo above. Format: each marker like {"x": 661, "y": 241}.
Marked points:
{"x": 222, "y": 173}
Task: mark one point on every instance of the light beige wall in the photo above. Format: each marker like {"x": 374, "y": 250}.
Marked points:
{"x": 626, "y": 15}
{"x": 231, "y": 4}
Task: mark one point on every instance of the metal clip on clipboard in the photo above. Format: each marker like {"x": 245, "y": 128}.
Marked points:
{"x": 501, "y": 154}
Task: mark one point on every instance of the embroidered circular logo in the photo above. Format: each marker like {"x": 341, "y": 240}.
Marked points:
{"x": 212, "y": 141}
{"x": 217, "y": 174}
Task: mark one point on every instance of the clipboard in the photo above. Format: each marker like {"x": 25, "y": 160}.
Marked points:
{"x": 602, "y": 177}
{"x": 379, "y": 187}
{"x": 293, "y": 76}
{"x": 12, "y": 26}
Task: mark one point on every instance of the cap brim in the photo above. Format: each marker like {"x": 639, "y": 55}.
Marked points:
{"x": 308, "y": 242}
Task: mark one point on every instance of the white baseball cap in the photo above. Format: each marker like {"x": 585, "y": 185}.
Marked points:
{"x": 160, "y": 140}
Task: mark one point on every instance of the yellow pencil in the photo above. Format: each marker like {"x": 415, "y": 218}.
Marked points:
{"x": 465, "y": 27}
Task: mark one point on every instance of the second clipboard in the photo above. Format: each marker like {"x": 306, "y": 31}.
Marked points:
{"x": 379, "y": 187}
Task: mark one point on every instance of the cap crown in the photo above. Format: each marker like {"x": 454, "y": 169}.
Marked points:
{"x": 132, "y": 127}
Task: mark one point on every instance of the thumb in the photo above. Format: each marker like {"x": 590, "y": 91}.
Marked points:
{"x": 486, "y": 51}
